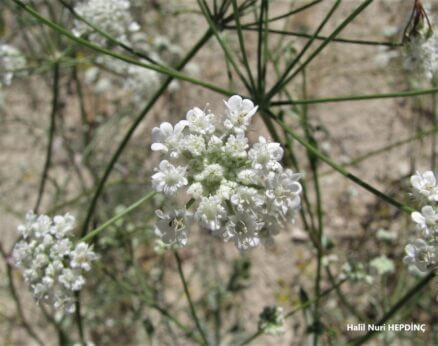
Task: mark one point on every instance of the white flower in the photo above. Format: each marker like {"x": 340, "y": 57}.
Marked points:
{"x": 226, "y": 189}
{"x": 246, "y": 197}
{"x": 243, "y": 228}
{"x": 283, "y": 190}
{"x": 195, "y": 144}
{"x": 195, "y": 190}
{"x": 199, "y": 122}
{"x": 82, "y": 256}
{"x": 426, "y": 221}
{"x": 109, "y": 16}
{"x": 236, "y": 146}
{"x": 210, "y": 213}
{"x": 71, "y": 280}
{"x": 172, "y": 227}
{"x": 239, "y": 113}
{"x": 11, "y": 62}
{"x": 425, "y": 184}
{"x": 265, "y": 155}
{"x": 169, "y": 178}
{"x": 420, "y": 254}
{"x": 168, "y": 139}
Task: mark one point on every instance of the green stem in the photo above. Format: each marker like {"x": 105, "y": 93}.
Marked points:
{"x": 55, "y": 106}
{"x": 292, "y": 64}
{"x": 321, "y": 38}
{"x": 335, "y": 33}
{"x": 126, "y": 211}
{"x": 356, "y": 98}
{"x": 189, "y": 298}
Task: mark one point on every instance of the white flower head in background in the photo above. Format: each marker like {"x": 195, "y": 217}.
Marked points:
{"x": 240, "y": 193}
{"x": 423, "y": 252}
{"x": 113, "y": 17}
{"x": 52, "y": 265}
{"x": 12, "y": 62}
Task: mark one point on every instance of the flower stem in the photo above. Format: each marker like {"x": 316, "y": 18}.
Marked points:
{"x": 133, "y": 206}
{"x": 189, "y": 298}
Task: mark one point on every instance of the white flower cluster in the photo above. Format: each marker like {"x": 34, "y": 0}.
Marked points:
{"x": 11, "y": 62}
{"x": 423, "y": 252}
{"x": 113, "y": 18}
{"x": 52, "y": 265}
{"x": 421, "y": 50}
{"x": 271, "y": 320}
{"x": 110, "y": 16}
{"x": 238, "y": 192}
{"x": 421, "y": 57}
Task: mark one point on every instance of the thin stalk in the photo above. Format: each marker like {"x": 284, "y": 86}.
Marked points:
{"x": 341, "y": 169}
{"x": 356, "y": 97}
{"x": 189, "y": 298}
{"x": 314, "y": 167}
{"x": 292, "y": 64}
{"x": 259, "y": 48}
{"x": 163, "y": 311}
{"x": 222, "y": 43}
{"x": 335, "y": 33}
{"x": 320, "y": 37}
{"x": 395, "y": 308}
{"x": 288, "y": 14}
{"x": 418, "y": 135}
{"x": 434, "y": 136}
{"x": 55, "y": 106}
{"x": 118, "y": 216}
{"x": 242, "y": 44}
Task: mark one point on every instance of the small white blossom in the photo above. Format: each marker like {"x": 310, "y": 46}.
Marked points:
{"x": 425, "y": 185}
{"x": 427, "y": 221}
{"x": 265, "y": 155}
{"x": 167, "y": 139}
{"x": 169, "y": 178}
{"x": 239, "y": 113}
{"x": 11, "y": 63}
{"x": 82, "y": 256}
{"x": 172, "y": 228}
{"x": 199, "y": 122}
{"x": 210, "y": 212}
{"x": 421, "y": 255}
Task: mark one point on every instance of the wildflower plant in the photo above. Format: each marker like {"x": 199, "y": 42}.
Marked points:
{"x": 212, "y": 175}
